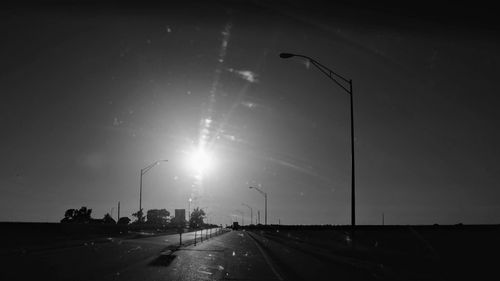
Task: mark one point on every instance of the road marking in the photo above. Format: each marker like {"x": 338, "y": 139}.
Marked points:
{"x": 267, "y": 259}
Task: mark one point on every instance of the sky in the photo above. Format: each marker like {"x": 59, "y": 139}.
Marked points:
{"x": 92, "y": 94}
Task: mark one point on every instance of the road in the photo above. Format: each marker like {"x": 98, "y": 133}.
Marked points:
{"x": 232, "y": 255}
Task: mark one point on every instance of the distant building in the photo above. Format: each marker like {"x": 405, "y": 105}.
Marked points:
{"x": 236, "y": 225}
{"x": 180, "y": 216}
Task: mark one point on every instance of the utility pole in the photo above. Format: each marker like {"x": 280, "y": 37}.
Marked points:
{"x": 258, "y": 214}
{"x": 118, "y": 218}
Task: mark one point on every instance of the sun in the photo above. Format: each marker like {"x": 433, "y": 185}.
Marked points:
{"x": 200, "y": 161}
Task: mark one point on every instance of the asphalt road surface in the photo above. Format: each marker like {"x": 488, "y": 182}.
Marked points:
{"x": 233, "y": 255}
{"x": 230, "y": 255}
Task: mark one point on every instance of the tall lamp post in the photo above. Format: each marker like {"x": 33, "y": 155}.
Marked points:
{"x": 334, "y": 76}
{"x": 251, "y": 212}
{"x": 143, "y": 172}
{"x": 265, "y": 198}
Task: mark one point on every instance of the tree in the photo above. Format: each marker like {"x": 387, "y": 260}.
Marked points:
{"x": 157, "y": 216}
{"x": 196, "y": 219}
{"x": 79, "y": 216}
{"x": 139, "y": 216}
{"x": 68, "y": 215}
{"x": 83, "y": 215}
{"x": 108, "y": 219}
{"x": 124, "y": 220}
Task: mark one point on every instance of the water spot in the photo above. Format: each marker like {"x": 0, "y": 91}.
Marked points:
{"x": 307, "y": 63}
{"x": 348, "y": 239}
{"x": 220, "y": 267}
{"x": 203, "y": 269}
{"x": 134, "y": 249}
{"x": 247, "y": 75}
{"x": 249, "y": 104}
{"x": 168, "y": 29}
{"x": 234, "y": 254}
{"x": 148, "y": 41}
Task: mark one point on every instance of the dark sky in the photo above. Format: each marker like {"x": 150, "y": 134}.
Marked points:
{"x": 92, "y": 93}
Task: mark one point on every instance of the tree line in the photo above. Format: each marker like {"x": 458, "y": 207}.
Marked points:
{"x": 160, "y": 217}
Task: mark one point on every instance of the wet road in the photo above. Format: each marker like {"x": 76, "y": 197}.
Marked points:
{"x": 232, "y": 255}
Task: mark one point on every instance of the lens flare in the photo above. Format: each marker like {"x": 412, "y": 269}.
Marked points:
{"x": 200, "y": 161}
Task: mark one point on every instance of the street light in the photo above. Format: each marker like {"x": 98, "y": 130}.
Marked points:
{"x": 265, "y": 198}
{"x": 251, "y": 212}
{"x": 332, "y": 75}
{"x": 143, "y": 172}
{"x": 189, "y": 208}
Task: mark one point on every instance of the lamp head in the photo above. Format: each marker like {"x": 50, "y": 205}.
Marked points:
{"x": 286, "y": 55}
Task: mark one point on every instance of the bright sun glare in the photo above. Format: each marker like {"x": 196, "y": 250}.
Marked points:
{"x": 200, "y": 160}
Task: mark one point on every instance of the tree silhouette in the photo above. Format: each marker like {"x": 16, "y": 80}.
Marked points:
{"x": 68, "y": 215}
{"x": 139, "y": 216}
{"x": 124, "y": 220}
{"x": 78, "y": 216}
{"x": 157, "y": 216}
{"x": 196, "y": 219}
{"x": 108, "y": 219}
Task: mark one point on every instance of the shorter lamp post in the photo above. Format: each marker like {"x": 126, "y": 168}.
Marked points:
{"x": 242, "y": 219}
{"x": 143, "y": 172}
{"x": 265, "y": 198}
{"x": 251, "y": 212}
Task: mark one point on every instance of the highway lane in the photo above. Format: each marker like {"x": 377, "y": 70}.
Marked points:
{"x": 87, "y": 259}
{"x": 233, "y": 255}
{"x": 303, "y": 261}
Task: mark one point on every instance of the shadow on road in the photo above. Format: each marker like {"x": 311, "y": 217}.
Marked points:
{"x": 163, "y": 260}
